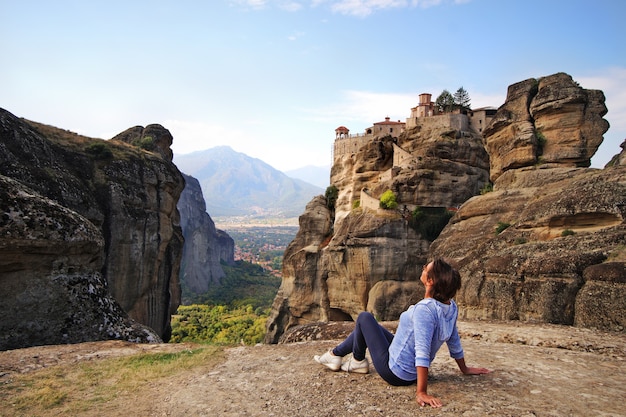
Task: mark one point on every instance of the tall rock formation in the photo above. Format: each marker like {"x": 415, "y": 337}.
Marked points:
{"x": 549, "y": 120}
{"x": 127, "y": 193}
{"x": 547, "y": 244}
{"x": 355, "y": 256}
{"x": 205, "y": 245}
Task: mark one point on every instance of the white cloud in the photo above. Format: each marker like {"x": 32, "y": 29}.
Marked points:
{"x": 252, "y": 4}
{"x": 363, "y": 108}
{"x": 295, "y": 36}
{"x": 479, "y": 100}
{"x": 290, "y": 6}
{"x": 612, "y": 82}
{"x": 358, "y": 110}
{"x": 362, "y": 8}
{"x": 191, "y": 136}
{"x": 359, "y": 8}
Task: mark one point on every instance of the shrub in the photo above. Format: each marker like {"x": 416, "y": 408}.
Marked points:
{"x": 520, "y": 241}
{"x": 487, "y": 188}
{"x": 388, "y": 200}
{"x": 430, "y": 221}
{"x": 331, "y": 196}
{"x": 568, "y": 232}
{"x": 99, "y": 150}
{"x": 146, "y": 143}
{"x": 501, "y": 227}
{"x": 541, "y": 142}
{"x": 356, "y": 204}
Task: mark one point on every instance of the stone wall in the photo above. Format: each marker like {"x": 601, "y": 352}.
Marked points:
{"x": 441, "y": 121}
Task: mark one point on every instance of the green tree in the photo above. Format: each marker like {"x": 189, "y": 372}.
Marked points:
{"x": 331, "y": 196}
{"x": 388, "y": 200}
{"x": 462, "y": 98}
{"x": 218, "y": 324}
{"x": 445, "y": 102}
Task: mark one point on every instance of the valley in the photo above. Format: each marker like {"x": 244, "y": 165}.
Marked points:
{"x": 261, "y": 244}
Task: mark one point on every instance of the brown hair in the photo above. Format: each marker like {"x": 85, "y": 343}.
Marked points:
{"x": 447, "y": 280}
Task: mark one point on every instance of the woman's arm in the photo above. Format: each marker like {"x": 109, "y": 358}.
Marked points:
{"x": 470, "y": 371}
{"x": 421, "y": 395}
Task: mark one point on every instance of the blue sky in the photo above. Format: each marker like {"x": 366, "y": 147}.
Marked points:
{"x": 274, "y": 78}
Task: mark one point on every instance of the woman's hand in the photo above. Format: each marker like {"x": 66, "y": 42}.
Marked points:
{"x": 423, "y": 399}
{"x": 470, "y": 371}
{"x": 475, "y": 371}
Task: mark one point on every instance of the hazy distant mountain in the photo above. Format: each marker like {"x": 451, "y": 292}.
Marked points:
{"x": 234, "y": 184}
{"x": 316, "y": 175}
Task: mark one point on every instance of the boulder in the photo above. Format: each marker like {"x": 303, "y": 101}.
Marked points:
{"x": 550, "y": 120}
{"x": 53, "y": 291}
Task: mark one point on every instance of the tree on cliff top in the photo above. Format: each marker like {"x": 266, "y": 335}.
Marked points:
{"x": 445, "y": 102}
{"x": 462, "y": 98}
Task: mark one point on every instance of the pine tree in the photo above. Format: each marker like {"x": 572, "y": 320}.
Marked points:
{"x": 462, "y": 98}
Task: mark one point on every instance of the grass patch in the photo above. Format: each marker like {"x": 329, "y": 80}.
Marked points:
{"x": 501, "y": 227}
{"x": 74, "y": 388}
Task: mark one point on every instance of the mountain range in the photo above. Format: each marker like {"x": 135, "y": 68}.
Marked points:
{"x": 235, "y": 184}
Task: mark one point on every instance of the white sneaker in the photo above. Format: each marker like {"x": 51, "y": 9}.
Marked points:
{"x": 353, "y": 365}
{"x": 328, "y": 359}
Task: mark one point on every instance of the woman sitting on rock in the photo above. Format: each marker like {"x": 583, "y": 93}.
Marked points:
{"x": 405, "y": 358}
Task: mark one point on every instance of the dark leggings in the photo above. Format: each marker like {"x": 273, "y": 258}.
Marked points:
{"x": 368, "y": 333}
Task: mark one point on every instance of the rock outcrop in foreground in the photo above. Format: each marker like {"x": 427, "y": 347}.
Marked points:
{"x": 52, "y": 289}
{"x": 548, "y": 244}
{"x": 90, "y": 233}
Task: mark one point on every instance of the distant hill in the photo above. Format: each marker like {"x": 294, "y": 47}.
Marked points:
{"x": 316, "y": 175}
{"x": 234, "y": 184}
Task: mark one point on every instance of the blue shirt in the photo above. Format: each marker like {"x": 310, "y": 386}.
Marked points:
{"x": 422, "y": 329}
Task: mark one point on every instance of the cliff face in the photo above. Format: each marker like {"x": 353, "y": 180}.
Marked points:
{"x": 561, "y": 260}
{"x": 347, "y": 260}
{"x": 128, "y": 194}
{"x": 205, "y": 246}
{"x": 52, "y": 289}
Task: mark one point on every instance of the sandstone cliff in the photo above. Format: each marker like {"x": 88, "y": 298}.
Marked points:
{"x": 355, "y": 256}
{"x": 205, "y": 245}
{"x": 128, "y": 194}
{"x": 561, "y": 259}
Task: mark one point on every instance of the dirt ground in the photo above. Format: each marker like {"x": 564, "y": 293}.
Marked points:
{"x": 538, "y": 370}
